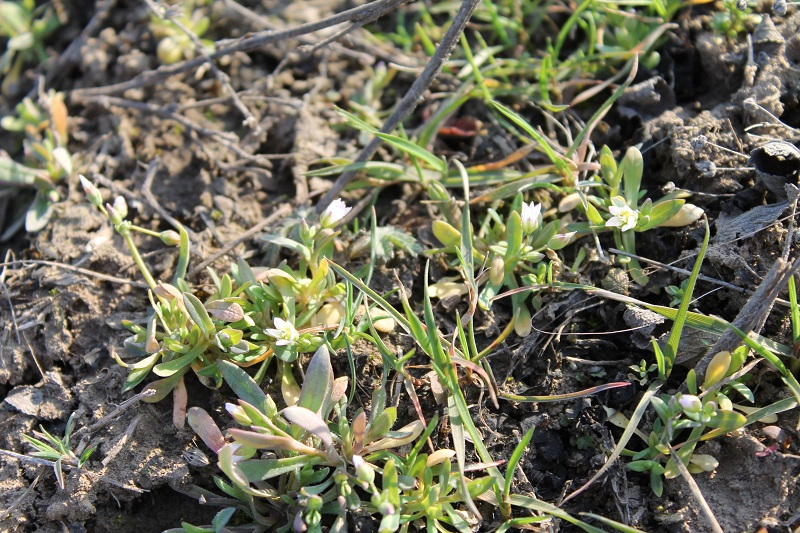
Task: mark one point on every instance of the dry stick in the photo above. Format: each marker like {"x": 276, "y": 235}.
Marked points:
{"x": 98, "y": 275}
{"x": 246, "y": 44}
{"x": 133, "y": 400}
{"x": 227, "y": 140}
{"x": 282, "y": 211}
{"x": 696, "y": 492}
{"x": 24, "y": 494}
{"x": 170, "y": 14}
{"x": 709, "y": 279}
{"x": 263, "y": 23}
{"x": 412, "y": 97}
{"x": 754, "y": 313}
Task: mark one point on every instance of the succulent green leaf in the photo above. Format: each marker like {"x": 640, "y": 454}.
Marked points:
{"x": 318, "y": 383}
{"x": 727, "y": 420}
{"x": 243, "y": 385}
{"x": 198, "y": 314}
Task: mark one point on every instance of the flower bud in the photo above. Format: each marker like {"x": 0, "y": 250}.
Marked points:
{"x": 447, "y": 234}
{"x": 717, "y": 368}
{"x": 334, "y": 213}
{"x": 170, "y": 237}
{"x": 364, "y": 472}
{"x": 497, "y": 270}
{"x": 238, "y": 414}
{"x": 92, "y": 193}
{"x": 113, "y": 215}
{"x": 121, "y": 206}
{"x": 690, "y": 403}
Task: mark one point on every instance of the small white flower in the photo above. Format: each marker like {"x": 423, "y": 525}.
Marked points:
{"x": 530, "y": 216}
{"x": 334, "y": 213}
{"x": 284, "y": 332}
{"x": 623, "y": 217}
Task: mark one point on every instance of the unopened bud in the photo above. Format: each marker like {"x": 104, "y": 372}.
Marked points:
{"x": 92, "y": 193}
{"x": 364, "y": 472}
{"x": 113, "y": 215}
{"x": 170, "y": 237}
{"x": 690, "y": 403}
{"x": 447, "y": 234}
{"x": 497, "y": 271}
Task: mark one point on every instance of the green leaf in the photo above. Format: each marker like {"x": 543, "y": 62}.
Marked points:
{"x": 199, "y": 315}
{"x": 243, "y": 385}
{"x": 383, "y": 423}
{"x": 264, "y": 469}
{"x": 169, "y": 368}
{"x": 632, "y": 167}
{"x": 556, "y": 159}
{"x": 39, "y": 212}
{"x": 387, "y": 238}
{"x": 662, "y": 212}
{"x": 139, "y": 371}
{"x": 13, "y": 172}
{"x": 513, "y": 461}
{"x": 291, "y": 244}
{"x": 318, "y": 383}
{"x": 414, "y": 151}
{"x": 513, "y": 235}
{"x": 727, "y": 420}
{"x": 673, "y": 341}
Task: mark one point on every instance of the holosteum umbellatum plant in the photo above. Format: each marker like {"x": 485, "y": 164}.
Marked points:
{"x": 254, "y": 315}
{"x": 288, "y": 468}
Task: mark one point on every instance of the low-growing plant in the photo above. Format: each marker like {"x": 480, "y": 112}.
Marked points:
{"x": 47, "y": 160}
{"x": 612, "y": 201}
{"x": 26, "y": 26}
{"x": 313, "y": 461}
{"x": 58, "y": 449}
{"x": 685, "y": 418}
{"x": 173, "y": 43}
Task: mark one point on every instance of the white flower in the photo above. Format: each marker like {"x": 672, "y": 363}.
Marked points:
{"x": 334, "y": 213}
{"x": 284, "y": 331}
{"x": 530, "y": 216}
{"x": 624, "y": 217}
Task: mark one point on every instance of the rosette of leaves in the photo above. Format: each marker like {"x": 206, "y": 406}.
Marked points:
{"x": 512, "y": 248}
{"x": 613, "y": 201}
{"x": 26, "y": 26}
{"x": 184, "y": 333}
{"x": 287, "y": 469}
{"x": 174, "y": 44}
{"x": 684, "y": 419}
{"x": 46, "y": 159}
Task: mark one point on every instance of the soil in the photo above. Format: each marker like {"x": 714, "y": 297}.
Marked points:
{"x": 60, "y": 326}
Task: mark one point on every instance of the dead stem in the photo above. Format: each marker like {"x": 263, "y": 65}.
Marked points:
{"x": 166, "y": 14}
{"x": 411, "y": 98}
{"x": 247, "y": 43}
{"x": 64, "y": 266}
{"x": 701, "y": 501}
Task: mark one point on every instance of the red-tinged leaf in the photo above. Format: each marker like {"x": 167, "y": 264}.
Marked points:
{"x": 206, "y": 429}
{"x": 270, "y": 442}
{"x": 311, "y": 422}
{"x": 225, "y": 311}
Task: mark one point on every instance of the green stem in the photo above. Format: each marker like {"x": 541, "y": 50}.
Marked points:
{"x": 137, "y": 258}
